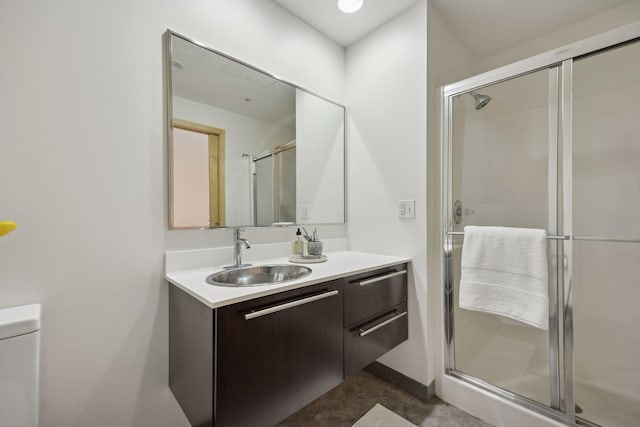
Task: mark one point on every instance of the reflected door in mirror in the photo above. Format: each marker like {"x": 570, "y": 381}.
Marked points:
{"x": 198, "y": 187}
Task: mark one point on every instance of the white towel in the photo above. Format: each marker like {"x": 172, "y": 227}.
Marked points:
{"x": 504, "y": 272}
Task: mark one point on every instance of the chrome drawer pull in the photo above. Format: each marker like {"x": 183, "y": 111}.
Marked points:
{"x": 287, "y": 305}
{"x": 386, "y": 322}
{"x": 386, "y": 276}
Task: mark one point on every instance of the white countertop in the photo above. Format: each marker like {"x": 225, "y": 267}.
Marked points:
{"x": 339, "y": 264}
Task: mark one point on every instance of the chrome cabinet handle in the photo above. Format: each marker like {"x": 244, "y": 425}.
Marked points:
{"x": 380, "y": 325}
{"x": 288, "y": 305}
{"x": 386, "y": 276}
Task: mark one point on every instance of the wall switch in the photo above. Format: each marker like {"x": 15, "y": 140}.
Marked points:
{"x": 304, "y": 213}
{"x": 406, "y": 209}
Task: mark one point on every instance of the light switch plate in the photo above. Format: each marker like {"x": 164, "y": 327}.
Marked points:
{"x": 406, "y": 209}
{"x": 304, "y": 213}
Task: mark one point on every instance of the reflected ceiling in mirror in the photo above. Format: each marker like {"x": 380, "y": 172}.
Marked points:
{"x": 246, "y": 149}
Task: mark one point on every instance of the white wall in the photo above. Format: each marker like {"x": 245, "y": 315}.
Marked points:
{"x": 387, "y": 133}
{"x": 82, "y": 131}
{"x": 320, "y": 160}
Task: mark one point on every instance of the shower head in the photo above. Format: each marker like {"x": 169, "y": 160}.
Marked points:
{"x": 481, "y": 100}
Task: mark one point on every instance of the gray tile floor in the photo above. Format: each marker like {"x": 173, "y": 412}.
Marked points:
{"x": 345, "y": 404}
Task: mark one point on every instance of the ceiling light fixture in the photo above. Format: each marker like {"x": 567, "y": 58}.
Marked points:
{"x": 349, "y": 6}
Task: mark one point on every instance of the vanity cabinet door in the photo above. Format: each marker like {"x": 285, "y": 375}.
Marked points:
{"x": 277, "y": 353}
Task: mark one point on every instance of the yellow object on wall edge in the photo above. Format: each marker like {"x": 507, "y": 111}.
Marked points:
{"x": 7, "y": 227}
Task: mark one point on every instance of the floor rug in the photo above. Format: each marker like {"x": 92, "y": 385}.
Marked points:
{"x": 379, "y": 416}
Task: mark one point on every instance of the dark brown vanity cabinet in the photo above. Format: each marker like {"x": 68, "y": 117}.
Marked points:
{"x": 278, "y": 353}
{"x": 375, "y": 315}
{"x": 256, "y": 362}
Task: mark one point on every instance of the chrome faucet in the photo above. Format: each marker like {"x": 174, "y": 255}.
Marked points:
{"x": 238, "y": 242}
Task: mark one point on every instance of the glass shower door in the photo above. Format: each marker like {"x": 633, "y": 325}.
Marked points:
{"x": 606, "y": 212}
{"x": 504, "y": 173}
{"x": 275, "y": 187}
{"x": 263, "y": 191}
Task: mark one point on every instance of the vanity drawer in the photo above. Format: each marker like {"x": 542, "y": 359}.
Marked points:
{"x": 374, "y": 292}
{"x": 367, "y": 341}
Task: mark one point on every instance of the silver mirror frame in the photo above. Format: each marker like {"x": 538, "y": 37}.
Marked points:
{"x": 168, "y": 78}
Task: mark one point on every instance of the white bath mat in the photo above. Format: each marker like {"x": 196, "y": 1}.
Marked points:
{"x": 379, "y": 416}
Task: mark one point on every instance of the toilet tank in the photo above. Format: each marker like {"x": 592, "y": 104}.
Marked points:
{"x": 19, "y": 365}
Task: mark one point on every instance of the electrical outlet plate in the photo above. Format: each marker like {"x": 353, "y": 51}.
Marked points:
{"x": 406, "y": 209}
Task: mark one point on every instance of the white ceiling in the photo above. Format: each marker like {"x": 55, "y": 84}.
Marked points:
{"x": 211, "y": 79}
{"x": 345, "y": 28}
{"x": 485, "y": 27}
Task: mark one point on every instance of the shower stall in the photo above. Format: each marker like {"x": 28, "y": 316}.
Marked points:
{"x": 552, "y": 142}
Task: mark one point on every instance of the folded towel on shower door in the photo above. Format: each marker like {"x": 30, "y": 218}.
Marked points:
{"x": 504, "y": 272}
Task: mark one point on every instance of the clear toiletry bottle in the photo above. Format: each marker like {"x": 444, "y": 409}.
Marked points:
{"x": 298, "y": 245}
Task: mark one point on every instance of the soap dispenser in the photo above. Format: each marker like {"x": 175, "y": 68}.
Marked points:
{"x": 298, "y": 244}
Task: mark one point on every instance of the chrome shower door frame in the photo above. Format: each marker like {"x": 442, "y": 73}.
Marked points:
{"x": 553, "y": 194}
{"x": 559, "y": 62}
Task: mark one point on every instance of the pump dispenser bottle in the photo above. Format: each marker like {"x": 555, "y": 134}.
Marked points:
{"x": 298, "y": 245}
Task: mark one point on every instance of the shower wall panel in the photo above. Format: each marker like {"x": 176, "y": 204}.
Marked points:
{"x": 606, "y": 205}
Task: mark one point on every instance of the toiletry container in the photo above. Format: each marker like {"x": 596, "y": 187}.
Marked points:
{"x": 298, "y": 245}
{"x": 19, "y": 365}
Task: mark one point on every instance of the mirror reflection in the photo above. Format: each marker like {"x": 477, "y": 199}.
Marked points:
{"x": 247, "y": 149}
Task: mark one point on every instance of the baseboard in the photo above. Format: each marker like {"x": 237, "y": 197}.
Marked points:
{"x": 411, "y": 386}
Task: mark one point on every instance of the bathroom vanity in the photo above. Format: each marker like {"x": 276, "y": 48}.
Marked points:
{"x": 252, "y": 357}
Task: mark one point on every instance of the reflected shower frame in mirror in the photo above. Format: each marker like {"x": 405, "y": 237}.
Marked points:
{"x": 318, "y": 192}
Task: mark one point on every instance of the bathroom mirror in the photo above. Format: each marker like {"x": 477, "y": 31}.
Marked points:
{"x": 247, "y": 149}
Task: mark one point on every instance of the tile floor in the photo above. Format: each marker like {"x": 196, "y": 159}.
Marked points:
{"x": 345, "y": 404}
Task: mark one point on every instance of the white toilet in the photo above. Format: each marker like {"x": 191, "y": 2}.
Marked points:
{"x": 19, "y": 365}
